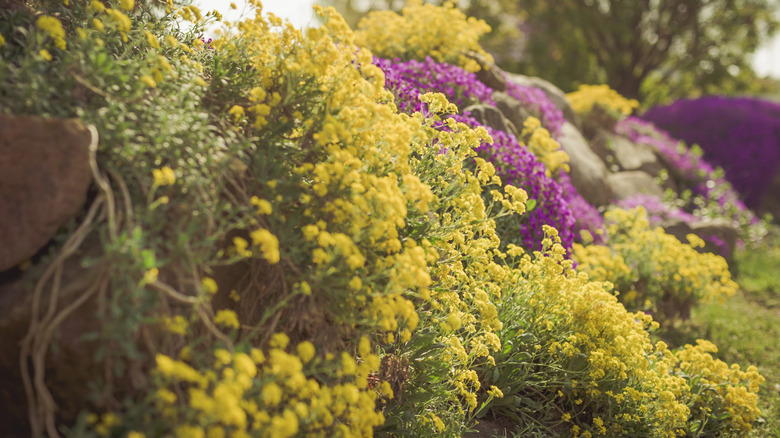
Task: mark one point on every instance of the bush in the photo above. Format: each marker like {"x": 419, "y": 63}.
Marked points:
{"x": 653, "y": 271}
{"x": 599, "y": 107}
{"x": 518, "y": 164}
{"x": 421, "y": 30}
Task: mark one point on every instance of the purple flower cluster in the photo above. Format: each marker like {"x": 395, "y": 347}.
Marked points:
{"x": 516, "y": 165}
{"x": 535, "y": 101}
{"x": 741, "y": 135}
{"x": 407, "y": 80}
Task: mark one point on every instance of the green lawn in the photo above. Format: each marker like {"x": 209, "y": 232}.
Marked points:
{"x": 746, "y": 328}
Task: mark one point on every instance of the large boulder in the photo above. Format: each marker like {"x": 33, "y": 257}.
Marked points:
{"x": 512, "y": 110}
{"x": 720, "y": 235}
{"x": 633, "y": 182}
{"x": 588, "y": 172}
{"x": 624, "y": 154}
{"x": 494, "y": 77}
{"x": 44, "y": 177}
{"x": 489, "y": 115}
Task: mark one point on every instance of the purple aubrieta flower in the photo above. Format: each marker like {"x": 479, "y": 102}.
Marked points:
{"x": 694, "y": 173}
{"x": 411, "y": 78}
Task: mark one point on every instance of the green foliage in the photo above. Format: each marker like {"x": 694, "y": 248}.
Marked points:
{"x": 651, "y": 51}
{"x": 747, "y": 327}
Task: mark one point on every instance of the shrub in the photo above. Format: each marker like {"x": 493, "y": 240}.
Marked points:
{"x": 587, "y": 97}
{"x": 653, "y": 271}
{"x": 407, "y": 80}
{"x": 421, "y": 30}
{"x": 516, "y": 164}
{"x": 599, "y": 107}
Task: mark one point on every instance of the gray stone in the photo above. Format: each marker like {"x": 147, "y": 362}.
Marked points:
{"x": 512, "y": 109}
{"x": 632, "y": 182}
{"x": 720, "y": 235}
{"x": 626, "y": 154}
{"x": 489, "y": 115}
{"x": 490, "y": 74}
{"x": 44, "y": 177}
{"x": 588, "y": 172}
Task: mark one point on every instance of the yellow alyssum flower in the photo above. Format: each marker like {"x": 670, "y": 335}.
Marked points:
{"x": 149, "y": 81}
{"x": 306, "y": 351}
{"x": 53, "y": 27}
{"x": 120, "y": 20}
{"x": 268, "y": 243}
{"x": 263, "y": 207}
{"x": 96, "y": 6}
{"x": 45, "y": 54}
{"x": 227, "y": 318}
{"x": 177, "y": 324}
{"x": 127, "y": 5}
{"x": 209, "y": 285}
{"x": 2, "y": 41}
{"x": 495, "y": 392}
{"x": 164, "y": 176}
{"x": 152, "y": 40}
{"x": 240, "y": 244}
{"x": 237, "y": 111}
{"x": 586, "y": 97}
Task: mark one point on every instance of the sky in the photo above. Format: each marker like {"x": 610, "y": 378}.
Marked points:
{"x": 766, "y": 61}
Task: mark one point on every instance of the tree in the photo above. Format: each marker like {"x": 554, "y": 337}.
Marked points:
{"x": 647, "y": 49}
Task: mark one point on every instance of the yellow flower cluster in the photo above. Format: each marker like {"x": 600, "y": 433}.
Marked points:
{"x": 443, "y": 33}
{"x": 53, "y": 28}
{"x": 266, "y": 394}
{"x": 731, "y": 392}
{"x": 586, "y": 97}
{"x": 666, "y": 274}
{"x": 380, "y": 223}
{"x": 627, "y": 378}
{"x": 544, "y": 147}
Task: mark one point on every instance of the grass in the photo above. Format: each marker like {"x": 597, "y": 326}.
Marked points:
{"x": 746, "y": 328}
